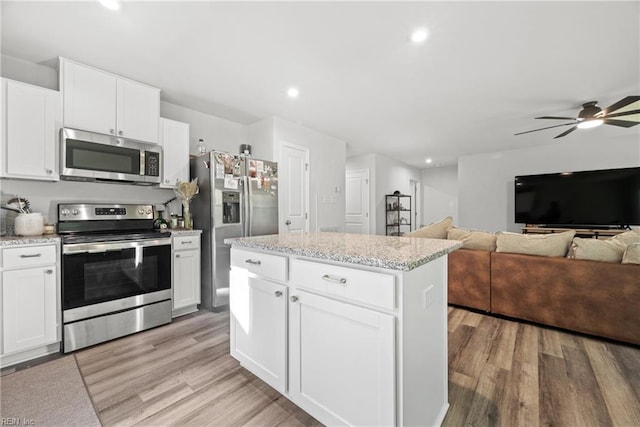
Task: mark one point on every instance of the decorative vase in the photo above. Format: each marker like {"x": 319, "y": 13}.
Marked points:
{"x": 186, "y": 214}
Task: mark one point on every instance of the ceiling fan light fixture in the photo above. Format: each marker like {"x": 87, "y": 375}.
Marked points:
{"x": 588, "y": 124}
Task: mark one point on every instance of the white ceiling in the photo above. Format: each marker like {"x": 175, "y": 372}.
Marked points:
{"x": 487, "y": 69}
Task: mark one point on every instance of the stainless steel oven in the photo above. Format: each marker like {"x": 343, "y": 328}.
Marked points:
{"x": 116, "y": 272}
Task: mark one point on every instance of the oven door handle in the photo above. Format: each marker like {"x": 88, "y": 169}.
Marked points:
{"x": 101, "y": 247}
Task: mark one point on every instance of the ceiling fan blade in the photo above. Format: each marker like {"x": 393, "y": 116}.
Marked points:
{"x": 566, "y": 132}
{"x": 624, "y": 102}
{"x": 621, "y": 114}
{"x": 548, "y": 127}
{"x": 621, "y": 123}
{"x": 556, "y": 118}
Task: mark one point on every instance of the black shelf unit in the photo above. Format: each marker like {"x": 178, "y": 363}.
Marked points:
{"x": 398, "y": 213}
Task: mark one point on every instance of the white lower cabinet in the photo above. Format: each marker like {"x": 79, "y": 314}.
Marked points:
{"x": 342, "y": 367}
{"x": 186, "y": 274}
{"x": 259, "y": 326}
{"x": 30, "y": 303}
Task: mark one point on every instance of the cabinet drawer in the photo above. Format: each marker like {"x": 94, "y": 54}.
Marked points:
{"x": 366, "y": 287}
{"x": 266, "y": 265}
{"x": 186, "y": 242}
{"x": 28, "y": 256}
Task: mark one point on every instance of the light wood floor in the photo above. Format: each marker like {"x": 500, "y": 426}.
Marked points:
{"x": 501, "y": 373}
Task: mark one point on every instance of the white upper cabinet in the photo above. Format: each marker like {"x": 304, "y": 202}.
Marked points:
{"x": 174, "y": 137}
{"x": 97, "y": 101}
{"x": 31, "y": 121}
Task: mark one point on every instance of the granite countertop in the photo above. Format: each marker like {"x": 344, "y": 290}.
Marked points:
{"x": 28, "y": 240}
{"x": 391, "y": 252}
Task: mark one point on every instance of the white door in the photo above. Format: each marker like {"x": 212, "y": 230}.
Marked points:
{"x": 342, "y": 366}
{"x": 138, "y": 111}
{"x": 415, "y": 189}
{"x": 357, "y": 202}
{"x": 186, "y": 278}
{"x": 28, "y": 308}
{"x": 259, "y": 326}
{"x": 31, "y": 121}
{"x": 293, "y": 176}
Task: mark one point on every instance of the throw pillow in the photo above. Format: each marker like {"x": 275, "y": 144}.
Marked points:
{"x": 632, "y": 254}
{"x": 472, "y": 239}
{"x": 436, "y": 230}
{"x": 554, "y": 244}
{"x": 608, "y": 250}
{"x": 628, "y": 237}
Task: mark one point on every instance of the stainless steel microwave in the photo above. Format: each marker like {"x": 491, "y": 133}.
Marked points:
{"x": 87, "y": 156}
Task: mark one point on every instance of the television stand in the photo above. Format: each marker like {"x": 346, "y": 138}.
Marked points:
{"x": 595, "y": 233}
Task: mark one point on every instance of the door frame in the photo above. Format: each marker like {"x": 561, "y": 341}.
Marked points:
{"x": 307, "y": 173}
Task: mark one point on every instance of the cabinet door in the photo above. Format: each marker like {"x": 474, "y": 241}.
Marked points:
{"x": 138, "y": 111}
{"x": 258, "y": 326}
{"x": 28, "y": 308}
{"x": 186, "y": 278}
{"x": 89, "y": 98}
{"x": 174, "y": 137}
{"x": 341, "y": 361}
{"x": 32, "y": 119}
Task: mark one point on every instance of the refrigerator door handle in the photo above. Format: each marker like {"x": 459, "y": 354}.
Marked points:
{"x": 246, "y": 214}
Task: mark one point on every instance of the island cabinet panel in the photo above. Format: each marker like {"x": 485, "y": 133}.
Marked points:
{"x": 342, "y": 364}
{"x": 269, "y": 266}
{"x": 366, "y": 287}
{"x": 259, "y": 325}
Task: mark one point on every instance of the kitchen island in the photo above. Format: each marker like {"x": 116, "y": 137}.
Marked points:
{"x": 351, "y": 328}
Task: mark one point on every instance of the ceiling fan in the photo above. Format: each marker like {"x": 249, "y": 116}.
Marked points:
{"x": 624, "y": 113}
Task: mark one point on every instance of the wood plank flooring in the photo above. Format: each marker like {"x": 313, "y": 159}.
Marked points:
{"x": 501, "y": 373}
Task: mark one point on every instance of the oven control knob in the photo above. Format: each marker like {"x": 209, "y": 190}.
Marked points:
{"x": 75, "y": 212}
{"x": 141, "y": 211}
{"x": 148, "y": 211}
{"x": 64, "y": 212}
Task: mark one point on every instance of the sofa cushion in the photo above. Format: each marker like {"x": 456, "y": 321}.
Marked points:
{"x": 628, "y": 237}
{"x": 471, "y": 239}
{"x": 632, "y": 254}
{"x": 609, "y": 250}
{"x": 552, "y": 245}
{"x": 436, "y": 230}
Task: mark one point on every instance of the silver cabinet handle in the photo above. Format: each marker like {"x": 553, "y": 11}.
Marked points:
{"x": 287, "y": 222}
{"x": 49, "y": 171}
{"x": 293, "y": 299}
{"x": 49, "y": 271}
{"x": 188, "y": 242}
{"x": 30, "y": 256}
{"x": 278, "y": 293}
{"x": 112, "y": 131}
{"x": 177, "y": 255}
{"x": 334, "y": 279}
{"x": 119, "y": 132}
{"x": 250, "y": 261}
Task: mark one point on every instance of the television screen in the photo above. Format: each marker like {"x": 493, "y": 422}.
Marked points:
{"x": 597, "y": 198}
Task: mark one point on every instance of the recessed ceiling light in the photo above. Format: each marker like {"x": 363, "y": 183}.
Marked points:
{"x": 110, "y": 4}
{"x": 428, "y": 160}
{"x": 419, "y": 35}
{"x": 293, "y": 92}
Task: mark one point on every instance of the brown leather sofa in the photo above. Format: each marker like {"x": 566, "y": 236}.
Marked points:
{"x": 591, "y": 297}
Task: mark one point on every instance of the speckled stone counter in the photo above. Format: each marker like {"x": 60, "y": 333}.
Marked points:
{"x": 184, "y": 232}
{"x": 395, "y": 253}
{"x": 6, "y": 241}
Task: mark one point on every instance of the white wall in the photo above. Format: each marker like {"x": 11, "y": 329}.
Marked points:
{"x": 439, "y": 193}
{"x": 28, "y": 72}
{"x": 218, "y": 134}
{"x": 486, "y": 194}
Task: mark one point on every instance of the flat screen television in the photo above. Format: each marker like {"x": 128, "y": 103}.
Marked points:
{"x": 597, "y": 198}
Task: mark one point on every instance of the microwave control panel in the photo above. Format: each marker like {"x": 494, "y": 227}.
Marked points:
{"x": 151, "y": 163}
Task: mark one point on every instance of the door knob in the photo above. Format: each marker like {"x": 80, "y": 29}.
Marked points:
{"x": 287, "y": 222}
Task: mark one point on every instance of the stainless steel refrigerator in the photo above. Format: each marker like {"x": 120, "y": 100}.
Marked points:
{"x": 238, "y": 197}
